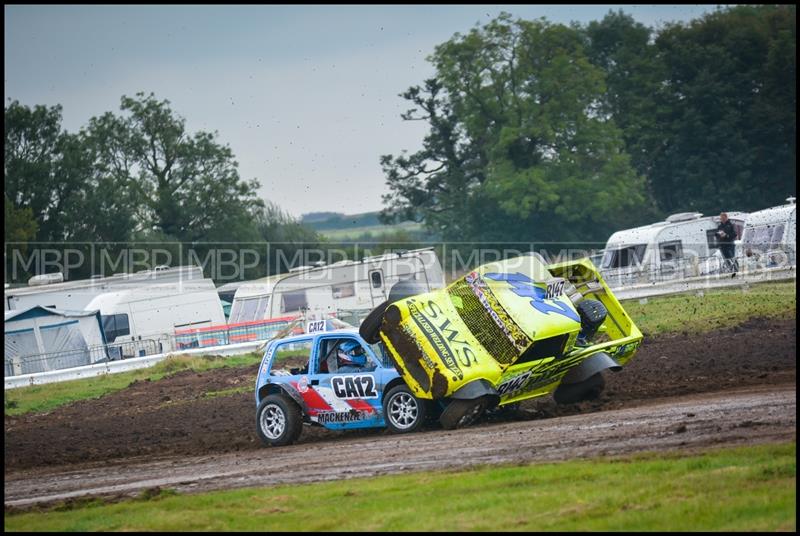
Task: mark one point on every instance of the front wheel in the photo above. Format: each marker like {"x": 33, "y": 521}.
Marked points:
{"x": 588, "y": 389}
{"x": 461, "y": 413}
{"x": 403, "y": 411}
{"x": 278, "y": 421}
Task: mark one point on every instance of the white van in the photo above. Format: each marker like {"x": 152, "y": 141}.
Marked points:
{"x": 671, "y": 249}
{"x": 770, "y": 237}
{"x": 155, "y": 312}
{"x": 334, "y": 288}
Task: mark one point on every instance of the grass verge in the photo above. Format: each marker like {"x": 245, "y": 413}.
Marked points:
{"x": 731, "y": 489}
{"x": 43, "y": 398}
{"x": 699, "y": 312}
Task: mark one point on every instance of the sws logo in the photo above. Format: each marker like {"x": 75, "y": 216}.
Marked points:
{"x": 448, "y": 343}
{"x": 524, "y": 287}
{"x": 346, "y": 387}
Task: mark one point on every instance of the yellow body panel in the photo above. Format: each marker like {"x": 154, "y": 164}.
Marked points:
{"x": 501, "y": 323}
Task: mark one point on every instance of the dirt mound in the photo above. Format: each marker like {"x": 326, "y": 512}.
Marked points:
{"x": 191, "y": 414}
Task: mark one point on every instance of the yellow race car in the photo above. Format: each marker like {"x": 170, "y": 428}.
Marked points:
{"x": 505, "y": 332}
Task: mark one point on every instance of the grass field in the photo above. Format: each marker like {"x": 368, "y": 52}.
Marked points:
{"x": 681, "y": 312}
{"x": 376, "y": 231}
{"x": 713, "y": 309}
{"x": 734, "y": 489}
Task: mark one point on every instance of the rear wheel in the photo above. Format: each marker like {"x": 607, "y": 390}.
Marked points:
{"x": 403, "y": 411}
{"x": 461, "y": 413}
{"x": 588, "y": 389}
{"x": 278, "y": 421}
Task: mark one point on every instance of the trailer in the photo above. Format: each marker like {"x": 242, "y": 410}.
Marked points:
{"x": 675, "y": 248}
{"x": 331, "y": 289}
{"x": 151, "y": 314}
{"x": 770, "y": 237}
{"x": 50, "y": 290}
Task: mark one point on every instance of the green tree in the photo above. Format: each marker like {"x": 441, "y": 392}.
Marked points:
{"x": 20, "y": 226}
{"x": 50, "y": 172}
{"x": 707, "y": 107}
{"x": 35, "y": 166}
{"x": 519, "y": 146}
{"x": 285, "y": 234}
{"x": 623, "y": 49}
{"x": 186, "y": 186}
{"x": 731, "y": 89}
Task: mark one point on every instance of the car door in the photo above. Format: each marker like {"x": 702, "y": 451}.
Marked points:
{"x": 343, "y": 400}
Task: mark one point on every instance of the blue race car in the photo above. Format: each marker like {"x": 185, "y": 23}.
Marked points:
{"x": 333, "y": 379}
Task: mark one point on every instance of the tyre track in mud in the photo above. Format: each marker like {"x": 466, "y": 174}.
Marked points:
{"x": 743, "y": 416}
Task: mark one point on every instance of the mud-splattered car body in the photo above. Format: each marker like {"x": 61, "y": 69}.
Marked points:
{"x": 508, "y": 331}
{"x": 298, "y": 382}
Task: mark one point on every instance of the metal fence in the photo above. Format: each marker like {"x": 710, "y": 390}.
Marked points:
{"x": 30, "y": 364}
{"x": 181, "y": 340}
{"x": 694, "y": 266}
{"x": 235, "y": 333}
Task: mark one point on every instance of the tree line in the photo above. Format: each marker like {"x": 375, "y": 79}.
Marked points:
{"x": 133, "y": 178}
{"x": 552, "y": 132}
{"x": 537, "y": 132}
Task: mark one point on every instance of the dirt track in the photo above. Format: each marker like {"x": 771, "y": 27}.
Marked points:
{"x": 111, "y": 445}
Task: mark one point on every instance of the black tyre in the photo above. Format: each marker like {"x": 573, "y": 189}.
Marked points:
{"x": 403, "y": 411}
{"x": 405, "y": 289}
{"x": 461, "y": 413}
{"x": 588, "y": 389}
{"x": 371, "y": 325}
{"x": 592, "y": 313}
{"x": 278, "y": 421}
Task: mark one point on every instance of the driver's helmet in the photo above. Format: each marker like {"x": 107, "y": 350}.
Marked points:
{"x": 350, "y": 353}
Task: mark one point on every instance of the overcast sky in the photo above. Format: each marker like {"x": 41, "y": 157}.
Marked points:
{"x": 306, "y": 96}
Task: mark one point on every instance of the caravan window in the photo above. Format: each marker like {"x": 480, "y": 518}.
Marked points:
{"x": 377, "y": 280}
{"x": 711, "y": 238}
{"x": 623, "y": 257}
{"x": 777, "y": 236}
{"x": 247, "y": 312}
{"x": 739, "y": 226}
{"x": 294, "y": 301}
{"x": 758, "y": 238}
{"x": 235, "y": 309}
{"x": 262, "y": 308}
{"x": 670, "y": 251}
{"x": 115, "y": 326}
{"x": 343, "y": 291}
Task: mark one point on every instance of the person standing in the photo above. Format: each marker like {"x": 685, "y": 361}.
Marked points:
{"x": 726, "y": 234}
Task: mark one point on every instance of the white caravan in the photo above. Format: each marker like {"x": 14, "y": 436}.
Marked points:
{"x": 770, "y": 237}
{"x": 152, "y": 314}
{"x": 675, "y": 248}
{"x": 50, "y": 290}
{"x": 336, "y": 288}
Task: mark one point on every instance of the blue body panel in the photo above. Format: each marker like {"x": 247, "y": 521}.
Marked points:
{"x": 339, "y": 400}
